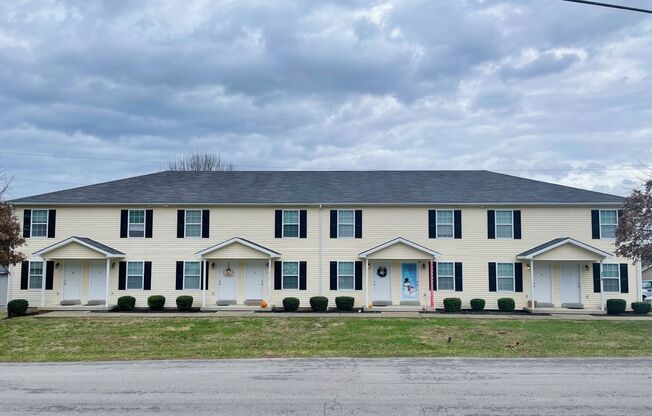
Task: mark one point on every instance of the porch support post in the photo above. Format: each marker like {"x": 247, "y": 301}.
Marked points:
{"x": 532, "y": 284}
{"x": 107, "y": 278}
{"x": 45, "y": 273}
{"x": 366, "y": 283}
{"x": 203, "y": 290}
{"x": 432, "y": 284}
{"x": 269, "y": 282}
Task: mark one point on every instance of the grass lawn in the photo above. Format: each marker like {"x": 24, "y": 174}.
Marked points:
{"x": 80, "y": 339}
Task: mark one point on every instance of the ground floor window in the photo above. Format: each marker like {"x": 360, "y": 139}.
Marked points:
{"x": 445, "y": 276}
{"x": 345, "y": 275}
{"x": 35, "y": 274}
{"x": 611, "y": 277}
{"x": 505, "y": 277}
{"x": 290, "y": 275}
{"x": 135, "y": 273}
{"x": 192, "y": 275}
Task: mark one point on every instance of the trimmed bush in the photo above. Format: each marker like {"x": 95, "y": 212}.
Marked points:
{"x": 17, "y": 307}
{"x": 477, "y": 304}
{"x": 616, "y": 306}
{"x": 452, "y": 304}
{"x": 184, "y": 303}
{"x": 641, "y": 308}
{"x": 319, "y": 303}
{"x": 156, "y": 302}
{"x": 290, "y": 304}
{"x": 126, "y": 303}
{"x": 506, "y": 305}
{"x": 344, "y": 303}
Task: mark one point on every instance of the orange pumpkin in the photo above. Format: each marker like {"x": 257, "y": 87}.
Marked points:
{"x": 263, "y": 304}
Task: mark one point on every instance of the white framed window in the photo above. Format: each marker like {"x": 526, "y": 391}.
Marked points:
{"x": 193, "y": 223}
{"x": 346, "y": 223}
{"x": 191, "y": 275}
{"x": 445, "y": 224}
{"x": 445, "y": 276}
{"x": 39, "y": 225}
{"x": 35, "y": 275}
{"x": 291, "y": 275}
{"x": 290, "y": 223}
{"x": 505, "y": 277}
{"x": 611, "y": 278}
{"x": 345, "y": 275}
{"x": 608, "y": 223}
{"x": 504, "y": 223}
{"x": 136, "y": 223}
{"x": 135, "y": 275}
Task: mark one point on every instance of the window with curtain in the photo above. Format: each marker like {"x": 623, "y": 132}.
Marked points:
{"x": 193, "y": 223}
{"x": 504, "y": 224}
{"x": 444, "y": 224}
{"x": 137, "y": 223}
{"x": 35, "y": 274}
{"x": 290, "y": 275}
{"x": 445, "y": 276}
{"x": 39, "y": 225}
{"x": 608, "y": 223}
{"x": 345, "y": 275}
{"x": 505, "y": 277}
{"x": 192, "y": 275}
{"x": 611, "y": 277}
{"x": 290, "y": 223}
{"x": 346, "y": 223}
{"x": 135, "y": 273}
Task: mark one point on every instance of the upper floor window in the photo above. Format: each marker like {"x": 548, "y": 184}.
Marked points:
{"x": 346, "y": 223}
{"x": 39, "y": 224}
{"x": 445, "y": 276}
{"x": 611, "y": 277}
{"x": 608, "y": 223}
{"x": 504, "y": 224}
{"x": 192, "y": 275}
{"x": 505, "y": 277}
{"x": 345, "y": 275}
{"x": 35, "y": 274}
{"x": 135, "y": 275}
{"x": 193, "y": 223}
{"x": 291, "y": 223}
{"x": 444, "y": 224}
{"x": 136, "y": 223}
{"x": 290, "y": 275}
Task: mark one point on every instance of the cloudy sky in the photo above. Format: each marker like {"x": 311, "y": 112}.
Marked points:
{"x": 98, "y": 90}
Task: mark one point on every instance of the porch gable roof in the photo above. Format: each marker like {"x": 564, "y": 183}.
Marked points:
{"x": 91, "y": 244}
{"x": 558, "y": 242}
{"x": 399, "y": 240}
{"x": 238, "y": 240}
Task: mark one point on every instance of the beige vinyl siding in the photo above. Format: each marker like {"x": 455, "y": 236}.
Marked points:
{"x": 380, "y": 224}
{"x": 399, "y": 251}
{"x": 75, "y": 251}
{"x": 236, "y": 251}
{"x": 568, "y": 252}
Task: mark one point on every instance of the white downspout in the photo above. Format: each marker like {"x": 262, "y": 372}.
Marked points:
{"x": 321, "y": 266}
{"x": 107, "y": 277}
{"x": 203, "y": 292}
{"x": 532, "y": 284}
{"x": 43, "y": 277}
{"x": 366, "y": 284}
{"x": 639, "y": 281}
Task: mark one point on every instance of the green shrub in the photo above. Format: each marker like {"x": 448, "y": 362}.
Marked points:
{"x": 184, "y": 303}
{"x": 156, "y": 302}
{"x": 290, "y": 304}
{"x": 344, "y": 303}
{"x": 477, "y": 304}
{"x": 452, "y": 304}
{"x": 319, "y": 303}
{"x": 17, "y": 307}
{"x": 616, "y": 306}
{"x": 506, "y": 304}
{"x": 126, "y": 303}
{"x": 641, "y": 308}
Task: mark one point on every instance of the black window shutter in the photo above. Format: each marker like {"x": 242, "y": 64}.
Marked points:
{"x": 49, "y": 275}
{"x": 124, "y": 218}
{"x": 149, "y": 219}
{"x": 202, "y": 266}
{"x": 278, "y": 223}
{"x": 333, "y": 275}
{"x": 518, "y": 277}
{"x": 206, "y": 269}
{"x": 147, "y": 277}
{"x": 624, "y": 281}
{"x": 52, "y": 222}
{"x": 492, "y": 277}
{"x": 433, "y": 265}
{"x": 278, "y": 275}
{"x": 458, "y": 277}
{"x": 303, "y": 223}
{"x": 122, "y": 275}
{"x": 358, "y": 223}
{"x": 491, "y": 224}
{"x": 179, "y": 276}
{"x": 24, "y": 275}
{"x": 181, "y": 223}
{"x": 333, "y": 223}
{"x": 205, "y": 223}
{"x": 457, "y": 221}
{"x": 517, "y": 224}
{"x": 27, "y": 223}
{"x": 595, "y": 224}
{"x": 302, "y": 275}
{"x": 620, "y": 214}
{"x": 358, "y": 275}
{"x": 596, "y": 278}
{"x": 432, "y": 223}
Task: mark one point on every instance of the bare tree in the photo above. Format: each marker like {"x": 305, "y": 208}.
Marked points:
{"x": 200, "y": 162}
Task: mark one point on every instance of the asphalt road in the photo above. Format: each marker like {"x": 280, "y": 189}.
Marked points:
{"x": 331, "y": 387}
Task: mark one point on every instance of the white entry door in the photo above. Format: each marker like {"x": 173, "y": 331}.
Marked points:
{"x": 97, "y": 281}
{"x": 382, "y": 278}
{"x": 4, "y": 288}
{"x": 570, "y": 283}
{"x": 227, "y": 282}
{"x": 72, "y": 280}
{"x": 542, "y": 283}
{"x": 254, "y": 280}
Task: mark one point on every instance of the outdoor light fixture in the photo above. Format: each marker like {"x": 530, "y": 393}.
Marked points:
{"x": 113, "y": 265}
{"x": 527, "y": 266}
{"x": 213, "y": 265}
{"x": 56, "y": 265}
{"x": 586, "y": 267}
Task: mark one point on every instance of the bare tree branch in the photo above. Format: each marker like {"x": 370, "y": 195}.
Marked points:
{"x": 201, "y": 162}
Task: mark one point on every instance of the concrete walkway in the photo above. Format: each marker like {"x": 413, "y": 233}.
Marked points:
{"x": 245, "y": 314}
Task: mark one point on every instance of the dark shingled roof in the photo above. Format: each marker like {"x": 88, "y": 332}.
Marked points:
{"x": 100, "y": 246}
{"x": 557, "y": 241}
{"x": 325, "y": 187}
